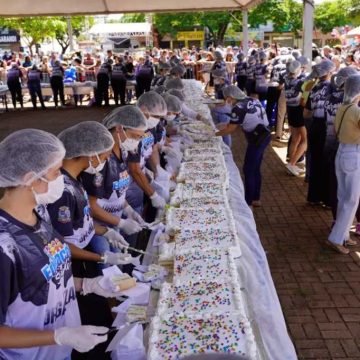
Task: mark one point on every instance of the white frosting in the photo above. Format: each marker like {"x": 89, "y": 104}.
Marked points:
{"x": 171, "y": 335}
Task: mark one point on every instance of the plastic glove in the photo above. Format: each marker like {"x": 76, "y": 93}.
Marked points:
{"x": 116, "y": 258}
{"x": 129, "y": 226}
{"x": 162, "y": 174}
{"x": 82, "y": 338}
{"x": 132, "y": 214}
{"x": 92, "y": 286}
{"x": 157, "y": 201}
{"x": 115, "y": 239}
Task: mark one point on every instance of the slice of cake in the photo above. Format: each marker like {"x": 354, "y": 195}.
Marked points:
{"x": 177, "y": 336}
{"x": 204, "y": 265}
{"x": 200, "y": 296}
{"x": 206, "y": 239}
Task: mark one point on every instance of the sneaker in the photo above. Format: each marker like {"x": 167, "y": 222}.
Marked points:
{"x": 299, "y": 169}
{"x": 350, "y": 242}
{"x": 293, "y": 170}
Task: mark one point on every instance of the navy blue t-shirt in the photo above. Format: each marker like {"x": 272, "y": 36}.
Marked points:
{"x": 110, "y": 185}
{"x": 71, "y": 215}
{"x": 317, "y": 98}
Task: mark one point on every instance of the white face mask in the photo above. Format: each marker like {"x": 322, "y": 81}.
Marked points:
{"x": 129, "y": 145}
{"x": 170, "y": 117}
{"x": 95, "y": 170}
{"x": 54, "y": 191}
{"x": 152, "y": 122}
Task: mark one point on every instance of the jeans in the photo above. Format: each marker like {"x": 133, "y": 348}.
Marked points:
{"x": 347, "y": 165}
{"x": 252, "y": 164}
{"x": 220, "y": 115}
{"x": 99, "y": 245}
{"x": 35, "y": 90}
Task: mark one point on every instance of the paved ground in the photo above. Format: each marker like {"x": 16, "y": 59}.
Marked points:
{"x": 319, "y": 290}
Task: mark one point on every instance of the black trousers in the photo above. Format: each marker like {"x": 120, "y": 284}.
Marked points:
{"x": 316, "y": 143}
{"x": 273, "y": 95}
{"x": 119, "y": 88}
{"x": 102, "y": 90}
{"x": 57, "y": 87}
{"x": 143, "y": 84}
{"x": 15, "y": 91}
{"x": 241, "y": 82}
{"x": 94, "y": 310}
{"x": 35, "y": 90}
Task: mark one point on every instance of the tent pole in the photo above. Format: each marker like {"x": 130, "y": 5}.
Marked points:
{"x": 308, "y": 26}
{"x": 70, "y": 33}
{"x": 245, "y": 44}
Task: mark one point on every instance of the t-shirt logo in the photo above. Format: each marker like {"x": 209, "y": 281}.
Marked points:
{"x": 98, "y": 179}
{"x": 59, "y": 260}
{"x": 64, "y": 215}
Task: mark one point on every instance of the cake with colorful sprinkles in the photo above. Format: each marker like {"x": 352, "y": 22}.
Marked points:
{"x": 200, "y": 296}
{"x": 204, "y": 265}
{"x": 174, "y": 337}
{"x": 205, "y": 218}
{"x": 197, "y": 190}
{"x": 203, "y": 202}
{"x": 206, "y": 239}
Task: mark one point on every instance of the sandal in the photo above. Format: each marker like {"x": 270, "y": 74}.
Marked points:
{"x": 350, "y": 242}
{"x": 338, "y": 248}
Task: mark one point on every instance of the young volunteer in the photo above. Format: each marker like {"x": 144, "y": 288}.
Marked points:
{"x": 39, "y": 315}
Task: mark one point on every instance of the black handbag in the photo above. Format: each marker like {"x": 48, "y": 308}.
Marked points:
{"x": 259, "y": 134}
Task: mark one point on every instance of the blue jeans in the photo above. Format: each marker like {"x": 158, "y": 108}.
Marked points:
{"x": 220, "y": 115}
{"x": 99, "y": 244}
{"x": 252, "y": 164}
{"x": 347, "y": 165}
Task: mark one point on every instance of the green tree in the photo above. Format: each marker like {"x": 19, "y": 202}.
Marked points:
{"x": 133, "y": 18}
{"x": 332, "y": 13}
{"x": 34, "y": 30}
{"x": 78, "y": 24}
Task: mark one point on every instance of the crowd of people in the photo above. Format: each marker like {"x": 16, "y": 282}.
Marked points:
{"x": 74, "y": 204}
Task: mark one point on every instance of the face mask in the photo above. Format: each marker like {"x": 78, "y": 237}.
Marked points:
{"x": 152, "y": 122}
{"x": 129, "y": 145}
{"x": 54, "y": 192}
{"x": 91, "y": 170}
{"x": 170, "y": 117}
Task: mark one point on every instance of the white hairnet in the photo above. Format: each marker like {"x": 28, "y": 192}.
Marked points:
{"x": 174, "y": 84}
{"x": 160, "y": 89}
{"x": 322, "y": 69}
{"x": 262, "y": 55}
{"x": 234, "y": 92}
{"x": 303, "y": 60}
{"x": 294, "y": 67}
{"x": 178, "y": 93}
{"x": 87, "y": 138}
{"x": 218, "y": 55}
{"x": 28, "y": 151}
{"x": 178, "y": 70}
{"x": 240, "y": 56}
{"x": 296, "y": 54}
{"x": 352, "y": 88}
{"x": 128, "y": 116}
{"x": 152, "y": 103}
{"x": 173, "y": 103}
{"x": 339, "y": 78}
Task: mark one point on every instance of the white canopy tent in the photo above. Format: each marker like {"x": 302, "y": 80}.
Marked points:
{"x": 70, "y": 7}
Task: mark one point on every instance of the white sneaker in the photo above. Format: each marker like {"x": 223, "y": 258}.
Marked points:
{"x": 293, "y": 170}
{"x": 299, "y": 169}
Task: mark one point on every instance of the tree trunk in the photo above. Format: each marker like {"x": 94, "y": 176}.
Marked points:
{"x": 221, "y": 34}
